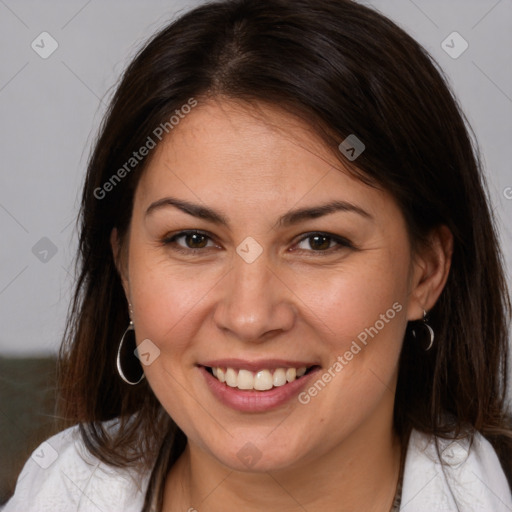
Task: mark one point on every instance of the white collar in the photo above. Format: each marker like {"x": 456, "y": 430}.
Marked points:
{"x": 468, "y": 480}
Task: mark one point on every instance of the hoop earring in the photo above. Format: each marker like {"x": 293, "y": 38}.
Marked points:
{"x": 429, "y": 329}
{"x": 130, "y": 333}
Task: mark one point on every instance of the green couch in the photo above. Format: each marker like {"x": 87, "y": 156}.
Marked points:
{"x": 27, "y": 413}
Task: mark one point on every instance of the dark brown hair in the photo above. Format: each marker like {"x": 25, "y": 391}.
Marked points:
{"x": 342, "y": 68}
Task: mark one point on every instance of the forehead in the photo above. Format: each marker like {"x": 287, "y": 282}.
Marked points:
{"x": 227, "y": 151}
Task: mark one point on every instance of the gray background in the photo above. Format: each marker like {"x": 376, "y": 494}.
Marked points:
{"x": 50, "y": 110}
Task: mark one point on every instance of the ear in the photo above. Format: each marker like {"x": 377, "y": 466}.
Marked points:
{"x": 119, "y": 260}
{"x": 431, "y": 267}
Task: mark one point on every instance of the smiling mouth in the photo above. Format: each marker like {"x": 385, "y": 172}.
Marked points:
{"x": 261, "y": 380}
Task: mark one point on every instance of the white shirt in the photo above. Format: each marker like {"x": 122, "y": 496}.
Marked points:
{"x": 62, "y": 476}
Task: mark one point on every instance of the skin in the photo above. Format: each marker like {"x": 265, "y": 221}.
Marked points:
{"x": 254, "y": 164}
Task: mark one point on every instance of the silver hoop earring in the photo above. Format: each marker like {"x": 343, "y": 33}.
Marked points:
{"x": 429, "y": 329}
{"x": 130, "y": 334}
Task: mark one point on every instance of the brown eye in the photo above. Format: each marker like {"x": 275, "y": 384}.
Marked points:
{"x": 188, "y": 241}
{"x": 319, "y": 242}
{"x": 323, "y": 243}
{"x": 195, "y": 240}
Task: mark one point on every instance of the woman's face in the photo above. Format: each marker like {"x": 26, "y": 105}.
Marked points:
{"x": 275, "y": 280}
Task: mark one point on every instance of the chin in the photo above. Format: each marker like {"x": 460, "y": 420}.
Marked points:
{"x": 249, "y": 456}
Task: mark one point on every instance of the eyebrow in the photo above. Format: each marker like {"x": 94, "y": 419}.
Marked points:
{"x": 288, "y": 219}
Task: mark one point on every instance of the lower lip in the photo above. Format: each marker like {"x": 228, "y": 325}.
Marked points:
{"x": 251, "y": 400}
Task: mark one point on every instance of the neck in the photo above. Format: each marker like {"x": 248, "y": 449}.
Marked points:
{"x": 359, "y": 474}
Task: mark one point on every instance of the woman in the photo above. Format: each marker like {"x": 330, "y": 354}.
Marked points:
{"x": 285, "y": 214}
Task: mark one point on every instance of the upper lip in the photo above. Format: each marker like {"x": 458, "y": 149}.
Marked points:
{"x": 270, "y": 364}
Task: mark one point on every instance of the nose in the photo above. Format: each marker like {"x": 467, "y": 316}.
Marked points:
{"x": 255, "y": 303}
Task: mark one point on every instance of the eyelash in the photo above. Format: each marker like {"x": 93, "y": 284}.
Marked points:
{"x": 343, "y": 243}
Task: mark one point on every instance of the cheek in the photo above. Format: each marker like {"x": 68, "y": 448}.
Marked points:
{"x": 168, "y": 304}
{"x": 168, "y": 299}
{"x": 360, "y": 317}
{"x": 361, "y": 301}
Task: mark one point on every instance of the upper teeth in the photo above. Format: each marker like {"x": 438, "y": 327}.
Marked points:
{"x": 261, "y": 380}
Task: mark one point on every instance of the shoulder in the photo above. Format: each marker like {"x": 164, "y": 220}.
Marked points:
{"x": 61, "y": 475}
{"x": 461, "y": 476}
